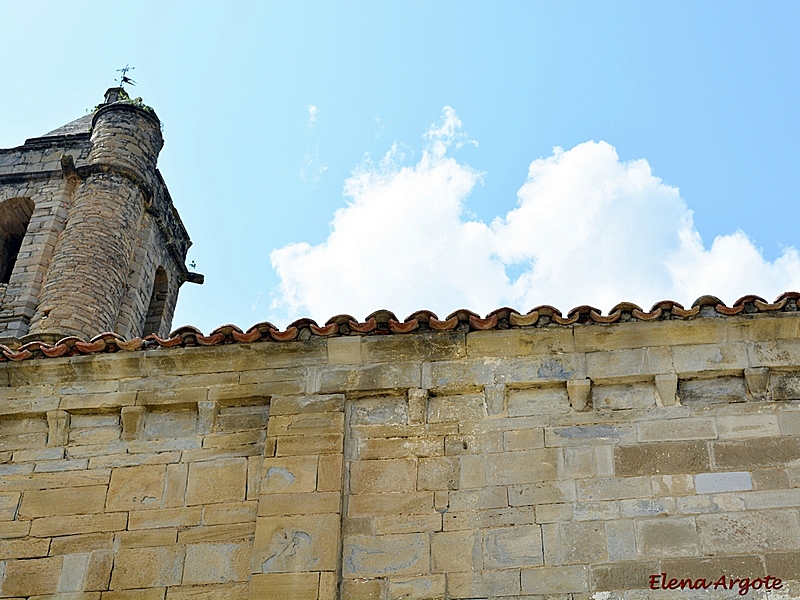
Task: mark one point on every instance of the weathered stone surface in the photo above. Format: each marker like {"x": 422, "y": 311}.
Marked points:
{"x": 223, "y": 480}
{"x": 538, "y": 401}
{"x": 743, "y": 533}
{"x": 385, "y": 555}
{"x": 507, "y": 547}
{"x": 756, "y": 452}
{"x": 554, "y": 580}
{"x": 136, "y": 488}
{"x": 216, "y": 563}
{"x": 624, "y": 396}
{"x": 147, "y": 567}
{"x": 294, "y": 544}
{"x": 66, "y": 501}
{"x": 712, "y": 391}
{"x": 671, "y": 536}
{"x": 663, "y": 458}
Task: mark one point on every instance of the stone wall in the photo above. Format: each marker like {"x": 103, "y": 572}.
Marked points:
{"x": 537, "y": 463}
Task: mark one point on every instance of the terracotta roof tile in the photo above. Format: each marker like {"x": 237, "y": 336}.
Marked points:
{"x": 385, "y": 322}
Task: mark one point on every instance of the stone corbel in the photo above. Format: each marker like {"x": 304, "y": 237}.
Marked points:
{"x": 132, "y": 422}
{"x": 579, "y": 391}
{"x": 667, "y": 388}
{"x": 207, "y": 411}
{"x": 757, "y": 379}
{"x": 57, "y": 428}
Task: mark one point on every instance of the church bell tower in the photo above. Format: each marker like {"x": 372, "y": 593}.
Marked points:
{"x": 89, "y": 238}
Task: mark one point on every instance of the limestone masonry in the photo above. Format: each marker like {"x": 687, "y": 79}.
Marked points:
{"x": 515, "y": 457}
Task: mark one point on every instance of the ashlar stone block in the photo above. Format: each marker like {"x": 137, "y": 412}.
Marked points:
{"x": 296, "y": 543}
{"x": 136, "y": 488}
{"x": 222, "y": 480}
{"x": 401, "y": 554}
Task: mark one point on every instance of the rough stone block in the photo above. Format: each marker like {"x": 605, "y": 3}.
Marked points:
{"x": 708, "y": 567}
{"x": 480, "y": 498}
{"x": 147, "y": 567}
{"x": 223, "y": 480}
{"x": 380, "y": 410}
{"x": 665, "y": 458}
{"x": 296, "y": 543}
{"x": 749, "y": 532}
{"x": 507, "y": 547}
{"x": 289, "y": 475}
{"x": 667, "y": 537}
{"x": 456, "y": 376}
{"x": 613, "y": 488}
{"x": 538, "y": 401}
{"x": 29, "y": 548}
{"x": 754, "y": 453}
{"x": 540, "y": 370}
{"x": 391, "y": 475}
{"x": 530, "y": 466}
{"x": 286, "y": 586}
{"x": 136, "y": 488}
{"x": 407, "y": 554}
{"x": 725, "y": 358}
{"x": 519, "y": 342}
{"x": 364, "y": 589}
{"x": 386, "y": 376}
{"x": 555, "y": 580}
{"x": 216, "y": 563}
{"x": 623, "y": 575}
{"x": 167, "y": 517}
{"x": 456, "y": 408}
{"x": 601, "y": 433}
{"x": 344, "y": 350}
{"x": 549, "y": 492}
{"x": 623, "y": 396}
{"x": 785, "y": 386}
{"x": 720, "y": 390}
{"x": 456, "y": 551}
{"x": 523, "y": 439}
{"x": 790, "y": 423}
{"x": 433, "y": 346}
{"x": 579, "y": 542}
{"x": 634, "y": 364}
{"x": 746, "y": 426}
{"x": 670, "y": 430}
{"x": 64, "y": 501}
{"x": 713, "y": 483}
{"x": 621, "y": 538}
{"x": 417, "y": 588}
{"x": 31, "y": 577}
{"x": 439, "y": 473}
{"x": 75, "y": 524}
{"x": 400, "y": 447}
{"x": 390, "y": 504}
{"x": 292, "y": 405}
{"x": 483, "y": 584}
{"x": 785, "y": 565}
{"x": 309, "y": 503}
{"x": 306, "y": 424}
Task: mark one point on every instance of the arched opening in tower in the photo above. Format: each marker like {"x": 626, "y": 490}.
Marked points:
{"x": 158, "y": 302}
{"x": 15, "y": 215}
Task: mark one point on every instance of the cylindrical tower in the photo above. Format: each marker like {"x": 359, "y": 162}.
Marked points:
{"x": 86, "y": 278}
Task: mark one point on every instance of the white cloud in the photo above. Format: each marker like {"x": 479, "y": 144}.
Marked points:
{"x": 313, "y": 111}
{"x": 588, "y": 229}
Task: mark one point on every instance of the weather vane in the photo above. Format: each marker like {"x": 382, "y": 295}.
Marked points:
{"x": 124, "y": 77}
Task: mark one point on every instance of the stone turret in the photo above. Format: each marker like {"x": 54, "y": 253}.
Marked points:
{"x": 91, "y": 240}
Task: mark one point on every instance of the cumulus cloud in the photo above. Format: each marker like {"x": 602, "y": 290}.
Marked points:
{"x": 587, "y": 229}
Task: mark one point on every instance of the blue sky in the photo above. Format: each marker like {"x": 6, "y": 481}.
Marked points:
{"x": 279, "y": 114}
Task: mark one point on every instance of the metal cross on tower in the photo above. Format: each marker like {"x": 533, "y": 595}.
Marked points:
{"x": 124, "y": 77}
